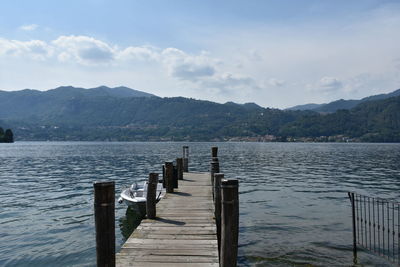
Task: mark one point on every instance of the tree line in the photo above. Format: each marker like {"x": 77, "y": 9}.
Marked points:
{"x": 6, "y": 136}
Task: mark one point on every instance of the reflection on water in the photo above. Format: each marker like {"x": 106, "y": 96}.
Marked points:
{"x": 130, "y": 221}
{"x": 294, "y": 209}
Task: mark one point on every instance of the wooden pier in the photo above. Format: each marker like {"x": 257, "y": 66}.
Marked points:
{"x": 195, "y": 224}
{"x": 183, "y": 233}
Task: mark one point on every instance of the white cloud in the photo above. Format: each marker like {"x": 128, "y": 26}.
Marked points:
{"x": 271, "y": 65}
{"x": 192, "y": 71}
{"x": 228, "y": 84}
{"x": 276, "y": 82}
{"x": 330, "y": 84}
{"x": 142, "y": 53}
{"x": 34, "y": 49}
{"x": 30, "y": 27}
{"x": 188, "y": 67}
{"x": 396, "y": 63}
{"x": 84, "y": 50}
{"x": 199, "y": 71}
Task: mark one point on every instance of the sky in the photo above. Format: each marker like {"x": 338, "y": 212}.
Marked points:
{"x": 275, "y": 53}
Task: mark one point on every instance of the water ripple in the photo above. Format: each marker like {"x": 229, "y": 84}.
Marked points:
{"x": 293, "y": 204}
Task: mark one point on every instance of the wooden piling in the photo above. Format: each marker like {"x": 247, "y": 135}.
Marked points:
{"x": 151, "y": 196}
{"x": 163, "y": 176}
{"x": 169, "y": 176}
{"x": 214, "y": 168}
{"x": 214, "y": 151}
{"x": 229, "y": 222}
{"x": 185, "y": 158}
{"x": 179, "y": 166}
{"x": 217, "y": 205}
{"x": 104, "y": 216}
{"x": 175, "y": 177}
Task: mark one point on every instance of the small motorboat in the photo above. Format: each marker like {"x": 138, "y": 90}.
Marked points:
{"x": 136, "y": 194}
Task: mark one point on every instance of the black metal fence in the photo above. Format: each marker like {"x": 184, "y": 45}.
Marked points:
{"x": 376, "y": 226}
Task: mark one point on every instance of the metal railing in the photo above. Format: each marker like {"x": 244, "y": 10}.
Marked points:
{"x": 376, "y": 226}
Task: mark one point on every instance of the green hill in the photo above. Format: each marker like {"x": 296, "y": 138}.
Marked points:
{"x": 372, "y": 121}
{"x": 343, "y": 104}
{"x": 102, "y": 113}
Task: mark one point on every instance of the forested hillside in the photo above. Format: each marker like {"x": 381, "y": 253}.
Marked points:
{"x": 374, "y": 121}
{"x": 102, "y": 113}
{"x": 344, "y": 104}
{"x": 6, "y": 136}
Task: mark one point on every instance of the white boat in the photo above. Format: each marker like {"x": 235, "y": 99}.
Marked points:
{"x": 136, "y": 194}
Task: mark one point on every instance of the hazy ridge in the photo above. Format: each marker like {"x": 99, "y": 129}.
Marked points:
{"x": 102, "y": 113}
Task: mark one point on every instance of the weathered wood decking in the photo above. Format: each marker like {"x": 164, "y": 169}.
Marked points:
{"x": 184, "y": 232}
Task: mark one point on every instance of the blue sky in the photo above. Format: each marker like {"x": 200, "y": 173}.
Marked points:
{"x": 274, "y": 53}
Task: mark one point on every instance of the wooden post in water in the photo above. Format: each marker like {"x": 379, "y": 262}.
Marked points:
{"x": 185, "y": 158}
{"x": 163, "y": 176}
{"x": 229, "y": 222}
{"x": 214, "y": 151}
{"x": 169, "y": 176}
{"x": 104, "y": 216}
{"x": 179, "y": 166}
{"x": 151, "y": 196}
{"x": 175, "y": 177}
{"x": 217, "y": 205}
{"x": 214, "y": 169}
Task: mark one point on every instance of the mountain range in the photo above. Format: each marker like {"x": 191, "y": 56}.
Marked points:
{"x": 124, "y": 114}
{"x": 343, "y": 104}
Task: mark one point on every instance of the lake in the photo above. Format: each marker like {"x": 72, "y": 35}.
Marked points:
{"x": 294, "y": 208}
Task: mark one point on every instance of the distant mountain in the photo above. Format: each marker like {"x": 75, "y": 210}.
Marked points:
{"x": 65, "y": 92}
{"x": 306, "y": 107}
{"x": 336, "y": 105}
{"x": 370, "y": 121}
{"x": 102, "y": 113}
{"x": 248, "y": 106}
{"x": 33, "y": 105}
{"x": 69, "y": 113}
{"x": 343, "y": 104}
{"x": 120, "y": 91}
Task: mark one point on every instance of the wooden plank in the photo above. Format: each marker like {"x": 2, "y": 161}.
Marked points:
{"x": 181, "y": 237}
{"x": 177, "y": 252}
{"x": 153, "y": 245}
{"x": 178, "y": 229}
{"x": 183, "y": 220}
{"x": 149, "y": 224}
{"x": 172, "y": 242}
{"x": 128, "y": 263}
{"x": 170, "y": 258}
{"x": 182, "y": 234}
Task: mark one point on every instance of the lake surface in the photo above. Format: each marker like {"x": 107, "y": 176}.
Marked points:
{"x": 294, "y": 208}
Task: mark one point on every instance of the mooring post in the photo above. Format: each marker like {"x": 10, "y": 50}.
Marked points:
{"x": 179, "y": 166}
{"x": 214, "y": 151}
{"x": 104, "y": 216}
{"x": 214, "y": 168}
{"x": 229, "y": 222}
{"x": 175, "y": 176}
{"x": 185, "y": 158}
{"x": 353, "y": 213}
{"x": 217, "y": 205}
{"x": 151, "y": 196}
{"x": 163, "y": 176}
{"x": 169, "y": 176}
